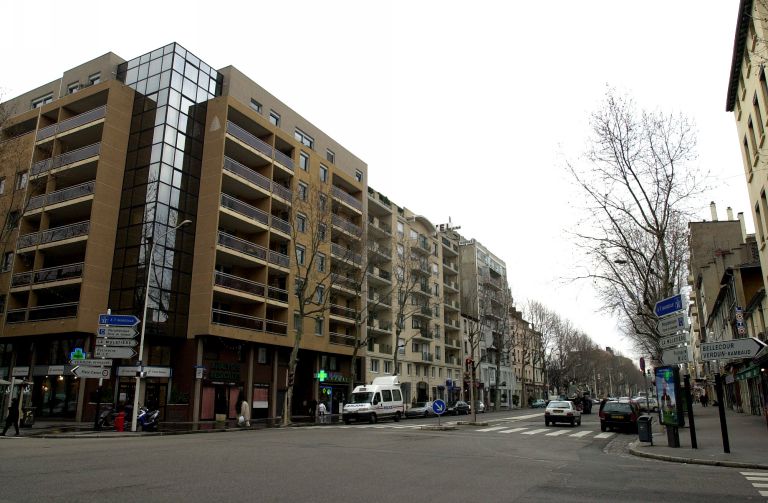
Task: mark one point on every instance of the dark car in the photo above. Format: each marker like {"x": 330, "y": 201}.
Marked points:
{"x": 621, "y": 414}
{"x": 458, "y": 407}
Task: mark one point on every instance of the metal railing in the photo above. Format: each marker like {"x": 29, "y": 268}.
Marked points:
{"x": 59, "y": 196}
{"x": 240, "y": 284}
{"x": 72, "y": 122}
{"x": 339, "y": 280}
{"x": 48, "y": 275}
{"x": 385, "y": 349}
{"x": 53, "y": 235}
{"x": 342, "y": 311}
{"x": 245, "y": 172}
{"x": 243, "y": 246}
{"x": 245, "y": 209}
{"x": 42, "y": 313}
{"x": 281, "y": 191}
{"x": 343, "y": 196}
{"x": 238, "y": 320}
{"x": 427, "y": 357}
{"x": 378, "y": 224}
{"x": 278, "y": 294}
{"x": 279, "y": 259}
{"x": 342, "y": 339}
{"x": 284, "y": 159}
{"x": 383, "y": 300}
{"x": 346, "y": 253}
{"x": 346, "y": 225}
{"x": 452, "y": 246}
{"x": 249, "y": 139}
{"x": 280, "y": 224}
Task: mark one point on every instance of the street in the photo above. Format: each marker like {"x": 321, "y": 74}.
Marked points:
{"x": 514, "y": 458}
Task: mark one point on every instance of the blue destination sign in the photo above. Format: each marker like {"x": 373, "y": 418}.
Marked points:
{"x": 669, "y": 305}
{"x": 121, "y": 320}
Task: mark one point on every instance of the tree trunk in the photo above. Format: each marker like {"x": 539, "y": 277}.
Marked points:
{"x": 286, "y": 420}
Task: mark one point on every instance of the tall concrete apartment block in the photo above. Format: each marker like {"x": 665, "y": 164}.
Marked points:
{"x": 413, "y": 302}
{"x": 747, "y": 98}
{"x": 101, "y": 166}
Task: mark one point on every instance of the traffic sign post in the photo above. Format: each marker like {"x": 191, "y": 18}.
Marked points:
{"x": 675, "y": 356}
{"x": 114, "y": 352}
{"x": 673, "y": 340}
{"x": 92, "y": 372}
{"x": 116, "y": 332}
{"x": 439, "y": 408}
{"x": 670, "y": 305}
{"x": 726, "y": 350}
{"x": 673, "y": 324}
{"x": 120, "y": 320}
{"x": 125, "y": 343}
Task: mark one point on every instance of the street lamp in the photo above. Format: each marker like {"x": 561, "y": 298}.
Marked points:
{"x": 144, "y": 321}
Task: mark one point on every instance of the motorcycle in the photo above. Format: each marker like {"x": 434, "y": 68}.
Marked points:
{"x": 148, "y": 419}
{"x": 106, "y": 418}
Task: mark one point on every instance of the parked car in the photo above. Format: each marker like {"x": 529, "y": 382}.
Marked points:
{"x": 651, "y": 405}
{"x": 619, "y": 414}
{"x": 456, "y": 408}
{"x": 538, "y": 404}
{"x": 420, "y": 409}
{"x": 479, "y": 406}
{"x": 562, "y": 411}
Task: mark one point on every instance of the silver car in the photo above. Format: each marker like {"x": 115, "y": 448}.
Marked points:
{"x": 420, "y": 409}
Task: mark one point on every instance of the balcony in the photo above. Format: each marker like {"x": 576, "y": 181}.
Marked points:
{"x": 377, "y": 224}
{"x": 346, "y": 254}
{"x": 427, "y": 357}
{"x": 346, "y": 226}
{"x": 340, "y": 281}
{"x": 239, "y": 284}
{"x": 488, "y": 280}
{"x": 72, "y": 123}
{"x": 257, "y": 179}
{"x": 422, "y": 246}
{"x": 241, "y": 245}
{"x": 451, "y": 248}
{"x": 380, "y": 300}
{"x": 244, "y": 209}
{"x": 53, "y": 235}
{"x": 238, "y": 320}
{"x": 381, "y": 250}
{"x": 385, "y": 349}
{"x": 423, "y": 333}
{"x": 381, "y": 274}
{"x": 423, "y": 311}
{"x": 278, "y": 294}
{"x": 455, "y": 324}
{"x": 343, "y": 312}
{"x": 62, "y": 160}
{"x": 452, "y": 343}
{"x": 421, "y": 267}
{"x": 451, "y": 285}
{"x": 451, "y": 304}
{"x": 279, "y": 224}
{"x": 342, "y": 339}
{"x": 380, "y": 326}
{"x": 42, "y": 313}
{"x": 60, "y": 196}
{"x": 257, "y": 144}
{"x": 452, "y": 267}
{"x": 279, "y": 259}
{"x": 339, "y": 194}
{"x": 49, "y": 275}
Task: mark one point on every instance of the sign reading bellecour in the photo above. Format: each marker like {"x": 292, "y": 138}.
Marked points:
{"x": 725, "y": 350}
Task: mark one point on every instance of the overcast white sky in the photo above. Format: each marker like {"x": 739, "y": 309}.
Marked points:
{"x": 477, "y": 105}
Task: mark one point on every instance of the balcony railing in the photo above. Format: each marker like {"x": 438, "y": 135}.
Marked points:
{"x": 278, "y": 294}
{"x": 48, "y": 275}
{"x": 342, "y": 339}
{"x": 427, "y": 357}
{"x": 279, "y": 259}
{"x": 339, "y": 194}
{"x": 74, "y": 192}
{"x": 249, "y": 139}
{"x": 245, "y": 172}
{"x": 280, "y": 224}
{"x": 238, "y": 320}
{"x": 346, "y": 253}
{"x": 385, "y": 349}
{"x": 380, "y": 249}
{"x": 242, "y": 246}
{"x": 451, "y": 246}
{"x": 284, "y": 159}
{"x": 343, "y": 281}
{"x": 70, "y": 157}
{"x": 240, "y": 284}
{"x": 378, "y": 224}
{"x": 380, "y": 299}
{"x": 53, "y": 235}
{"x": 244, "y": 209}
{"x": 281, "y": 191}
{"x": 342, "y": 311}
{"x": 42, "y": 313}
{"x": 73, "y": 122}
{"x": 346, "y": 225}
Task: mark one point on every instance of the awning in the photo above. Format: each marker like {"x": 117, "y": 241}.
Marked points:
{"x": 750, "y": 372}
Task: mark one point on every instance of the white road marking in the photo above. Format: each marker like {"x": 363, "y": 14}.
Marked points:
{"x": 494, "y": 428}
{"x": 605, "y": 435}
{"x": 513, "y": 430}
{"x": 755, "y": 484}
{"x": 518, "y": 418}
{"x": 581, "y": 434}
{"x": 754, "y": 474}
{"x": 533, "y": 432}
{"x": 763, "y": 493}
{"x": 557, "y": 433}
{"x": 759, "y": 479}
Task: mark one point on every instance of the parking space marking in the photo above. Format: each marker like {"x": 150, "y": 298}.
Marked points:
{"x": 513, "y": 430}
{"x": 580, "y": 434}
{"x": 557, "y": 433}
{"x": 605, "y": 435}
{"x": 534, "y": 432}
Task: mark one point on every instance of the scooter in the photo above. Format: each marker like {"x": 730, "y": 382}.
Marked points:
{"x": 106, "y": 417}
{"x": 148, "y": 419}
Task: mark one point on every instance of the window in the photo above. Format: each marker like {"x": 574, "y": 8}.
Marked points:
{"x": 73, "y": 87}
{"x": 261, "y": 355}
{"x": 318, "y": 326}
{"x": 400, "y": 250}
{"x": 2, "y": 304}
{"x": 408, "y": 368}
{"x": 255, "y": 105}
{"x": 42, "y": 100}
{"x": 13, "y": 220}
{"x": 2, "y": 185}
{"x": 415, "y": 347}
{"x": 358, "y": 175}
{"x": 387, "y": 367}
{"x": 323, "y": 173}
{"x": 320, "y": 262}
{"x": 332, "y": 364}
{"x": 758, "y": 116}
{"x": 7, "y": 261}
{"x": 323, "y": 201}
{"x": 437, "y": 352}
{"x": 330, "y": 156}
{"x": 433, "y": 372}
{"x": 303, "y": 188}
{"x": 414, "y": 235}
{"x": 400, "y": 229}
{"x": 321, "y": 232}
{"x": 374, "y": 365}
{"x": 304, "y": 138}
{"x": 319, "y": 293}
{"x": 301, "y": 223}
{"x": 94, "y": 79}
{"x": 274, "y": 118}
{"x": 417, "y": 370}
{"x": 303, "y": 161}
{"x": 21, "y": 180}
{"x": 300, "y": 253}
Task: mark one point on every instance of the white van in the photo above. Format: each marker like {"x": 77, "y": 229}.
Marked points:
{"x": 379, "y": 400}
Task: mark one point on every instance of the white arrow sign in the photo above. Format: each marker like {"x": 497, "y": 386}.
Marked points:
{"x": 92, "y": 372}
{"x": 672, "y": 324}
{"x": 675, "y": 356}
{"x": 90, "y": 362}
{"x": 115, "y": 332}
{"x": 725, "y": 350}
{"x": 126, "y": 343}
{"x": 109, "y": 352}
{"x": 673, "y": 340}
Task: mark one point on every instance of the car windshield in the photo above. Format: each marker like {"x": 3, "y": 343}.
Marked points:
{"x": 617, "y": 407}
{"x": 560, "y": 405}
{"x": 362, "y": 397}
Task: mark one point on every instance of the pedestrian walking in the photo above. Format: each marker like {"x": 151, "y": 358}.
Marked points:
{"x": 245, "y": 412}
{"x": 13, "y": 417}
{"x": 321, "y": 410}
{"x": 705, "y": 398}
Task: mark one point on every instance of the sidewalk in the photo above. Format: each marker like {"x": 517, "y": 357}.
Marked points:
{"x": 748, "y": 437}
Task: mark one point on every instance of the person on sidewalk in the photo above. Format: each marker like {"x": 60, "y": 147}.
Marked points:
{"x": 321, "y": 410}
{"x": 245, "y": 412}
{"x": 13, "y": 417}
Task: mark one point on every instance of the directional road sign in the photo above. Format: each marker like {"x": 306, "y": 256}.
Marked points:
{"x": 92, "y": 362}
{"x": 673, "y": 340}
{"x": 672, "y": 324}
{"x": 669, "y": 305}
{"x": 438, "y": 407}
{"x": 122, "y": 320}
{"x": 92, "y": 372}
{"x": 125, "y": 343}
{"x": 725, "y": 350}
{"x": 109, "y": 352}
{"x": 117, "y": 332}
{"x": 675, "y": 356}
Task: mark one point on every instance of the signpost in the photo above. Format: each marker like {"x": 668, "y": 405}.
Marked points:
{"x": 120, "y": 320}
{"x": 673, "y": 324}
{"x": 116, "y": 332}
{"x": 726, "y": 350}
{"x": 438, "y": 407}
{"x": 673, "y": 340}
{"x": 114, "y": 352}
{"x": 85, "y": 372}
{"x": 675, "y": 356}
{"x": 125, "y": 343}
{"x": 670, "y": 305}
{"x": 90, "y": 362}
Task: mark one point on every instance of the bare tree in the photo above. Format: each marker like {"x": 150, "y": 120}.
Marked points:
{"x": 637, "y": 186}
{"x": 543, "y": 322}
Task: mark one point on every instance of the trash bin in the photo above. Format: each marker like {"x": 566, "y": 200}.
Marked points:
{"x": 645, "y": 428}
{"x": 120, "y": 421}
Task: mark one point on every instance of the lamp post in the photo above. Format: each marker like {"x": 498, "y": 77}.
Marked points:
{"x": 135, "y": 412}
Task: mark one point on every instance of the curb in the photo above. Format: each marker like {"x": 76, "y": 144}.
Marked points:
{"x": 694, "y": 461}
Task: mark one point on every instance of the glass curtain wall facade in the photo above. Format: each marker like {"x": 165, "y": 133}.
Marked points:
{"x": 161, "y": 185}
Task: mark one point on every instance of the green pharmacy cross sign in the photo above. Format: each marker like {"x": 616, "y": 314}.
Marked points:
{"x": 77, "y": 354}
{"x": 322, "y": 375}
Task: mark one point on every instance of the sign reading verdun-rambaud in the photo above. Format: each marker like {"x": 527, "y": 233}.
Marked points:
{"x": 725, "y": 350}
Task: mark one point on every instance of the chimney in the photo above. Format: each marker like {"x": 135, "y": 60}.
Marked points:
{"x": 713, "y": 211}
{"x": 743, "y": 226}
{"x": 729, "y": 212}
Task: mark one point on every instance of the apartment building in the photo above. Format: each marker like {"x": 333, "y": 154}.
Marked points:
{"x": 527, "y": 356}
{"x": 412, "y": 302}
{"x": 485, "y": 302}
{"x": 100, "y": 171}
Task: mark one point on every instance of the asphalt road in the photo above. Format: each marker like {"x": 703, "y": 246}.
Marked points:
{"x": 514, "y": 458}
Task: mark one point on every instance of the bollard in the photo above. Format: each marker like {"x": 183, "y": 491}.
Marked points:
{"x": 120, "y": 421}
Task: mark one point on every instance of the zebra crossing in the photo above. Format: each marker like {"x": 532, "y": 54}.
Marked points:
{"x": 759, "y": 481}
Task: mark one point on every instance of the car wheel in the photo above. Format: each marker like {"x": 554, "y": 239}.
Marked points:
{"x": 372, "y": 419}
{"x": 602, "y": 427}
{"x": 573, "y": 422}
{"x": 546, "y": 422}
{"x": 426, "y": 414}
{"x": 579, "y": 423}
{"x": 397, "y": 417}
